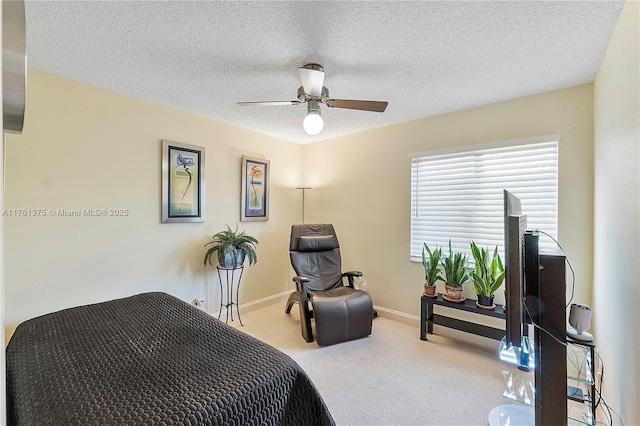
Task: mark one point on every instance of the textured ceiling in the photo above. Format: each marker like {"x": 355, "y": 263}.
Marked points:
{"x": 424, "y": 58}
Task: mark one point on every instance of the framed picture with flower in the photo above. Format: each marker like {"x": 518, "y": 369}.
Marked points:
{"x": 182, "y": 182}
{"x": 255, "y": 189}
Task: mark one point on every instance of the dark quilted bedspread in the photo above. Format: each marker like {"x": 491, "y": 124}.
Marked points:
{"x": 151, "y": 359}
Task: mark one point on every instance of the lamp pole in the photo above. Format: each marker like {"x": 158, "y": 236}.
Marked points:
{"x": 303, "y": 189}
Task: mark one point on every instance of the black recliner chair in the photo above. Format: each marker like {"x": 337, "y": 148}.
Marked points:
{"x": 341, "y": 312}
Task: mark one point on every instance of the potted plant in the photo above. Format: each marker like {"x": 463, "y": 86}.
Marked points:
{"x": 488, "y": 275}
{"x": 431, "y": 272}
{"x": 231, "y": 248}
{"x": 454, "y": 267}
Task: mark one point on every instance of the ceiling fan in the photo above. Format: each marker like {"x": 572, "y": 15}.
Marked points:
{"x": 313, "y": 93}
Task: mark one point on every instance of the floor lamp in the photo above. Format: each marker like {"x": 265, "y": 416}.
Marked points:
{"x": 303, "y": 189}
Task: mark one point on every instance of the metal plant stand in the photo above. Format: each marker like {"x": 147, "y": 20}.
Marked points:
{"x": 229, "y": 275}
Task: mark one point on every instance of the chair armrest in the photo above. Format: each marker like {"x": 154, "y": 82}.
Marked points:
{"x": 300, "y": 282}
{"x": 350, "y": 278}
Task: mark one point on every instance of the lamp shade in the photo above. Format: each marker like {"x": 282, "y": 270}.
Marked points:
{"x": 313, "y": 122}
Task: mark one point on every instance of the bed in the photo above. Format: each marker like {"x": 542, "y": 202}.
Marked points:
{"x": 151, "y": 359}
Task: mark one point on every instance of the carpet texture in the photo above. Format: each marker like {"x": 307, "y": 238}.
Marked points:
{"x": 391, "y": 377}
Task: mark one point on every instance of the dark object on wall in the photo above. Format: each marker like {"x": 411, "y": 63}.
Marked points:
{"x": 14, "y": 65}
{"x": 151, "y": 358}
{"x": 341, "y": 312}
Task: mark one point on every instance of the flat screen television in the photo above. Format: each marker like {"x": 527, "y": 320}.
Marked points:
{"x": 515, "y": 226}
{"x": 521, "y": 284}
{"x": 535, "y": 291}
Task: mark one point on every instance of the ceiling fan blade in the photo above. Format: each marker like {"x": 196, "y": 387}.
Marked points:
{"x": 269, "y": 103}
{"x": 312, "y": 77}
{"x": 375, "y": 106}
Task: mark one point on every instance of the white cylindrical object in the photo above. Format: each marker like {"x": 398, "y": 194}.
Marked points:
{"x": 580, "y": 320}
{"x": 313, "y": 122}
{"x": 580, "y": 317}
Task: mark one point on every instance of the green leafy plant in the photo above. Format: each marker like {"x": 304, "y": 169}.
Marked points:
{"x": 455, "y": 268}
{"x": 431, "y": 263}
{"x": 488, "y": 274}
{"x": 230, "y": 242}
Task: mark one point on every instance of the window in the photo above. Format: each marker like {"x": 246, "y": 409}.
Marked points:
{"x": 459, "y": 195}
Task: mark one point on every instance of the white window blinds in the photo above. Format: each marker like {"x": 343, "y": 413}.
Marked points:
{"x": 459, "y": 196}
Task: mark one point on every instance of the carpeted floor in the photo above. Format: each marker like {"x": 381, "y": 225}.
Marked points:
{"x": 391, "y": 377}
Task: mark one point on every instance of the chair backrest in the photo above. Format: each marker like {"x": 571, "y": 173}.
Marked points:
{"x": 315, "y": 253}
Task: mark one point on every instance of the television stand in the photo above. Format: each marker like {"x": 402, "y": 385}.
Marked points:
{"x": 428, "y": 318}
{"x": 546, "y": 306}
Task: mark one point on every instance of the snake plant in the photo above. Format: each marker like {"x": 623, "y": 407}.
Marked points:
{"x": 489, "y": 272}
{"x": 455, "y": 268}
{"x": 431, "y": 263}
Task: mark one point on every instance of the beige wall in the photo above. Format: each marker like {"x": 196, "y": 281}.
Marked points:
{"x": 87, "y": 148}
{"x": 617, "y": 216}
{"x": 361, "y": 184}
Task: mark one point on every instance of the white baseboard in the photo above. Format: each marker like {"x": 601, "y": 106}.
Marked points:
{"x": 260, "y": 303}
{"x": 265, "y": 301}
{"x": 398, "y": 316}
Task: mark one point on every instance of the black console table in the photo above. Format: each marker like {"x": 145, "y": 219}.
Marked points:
{"x": 428, "y": 318}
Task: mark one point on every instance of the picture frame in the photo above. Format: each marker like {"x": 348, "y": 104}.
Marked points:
{"x": 183, "y": 183}
{"x": 255, "y": 189}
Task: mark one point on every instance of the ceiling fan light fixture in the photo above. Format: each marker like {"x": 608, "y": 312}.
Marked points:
{"x": 313, "y": 93}
{"x": 313, "y": 122}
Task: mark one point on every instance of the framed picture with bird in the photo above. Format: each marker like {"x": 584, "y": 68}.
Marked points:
{"x": 182, "y": 182}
